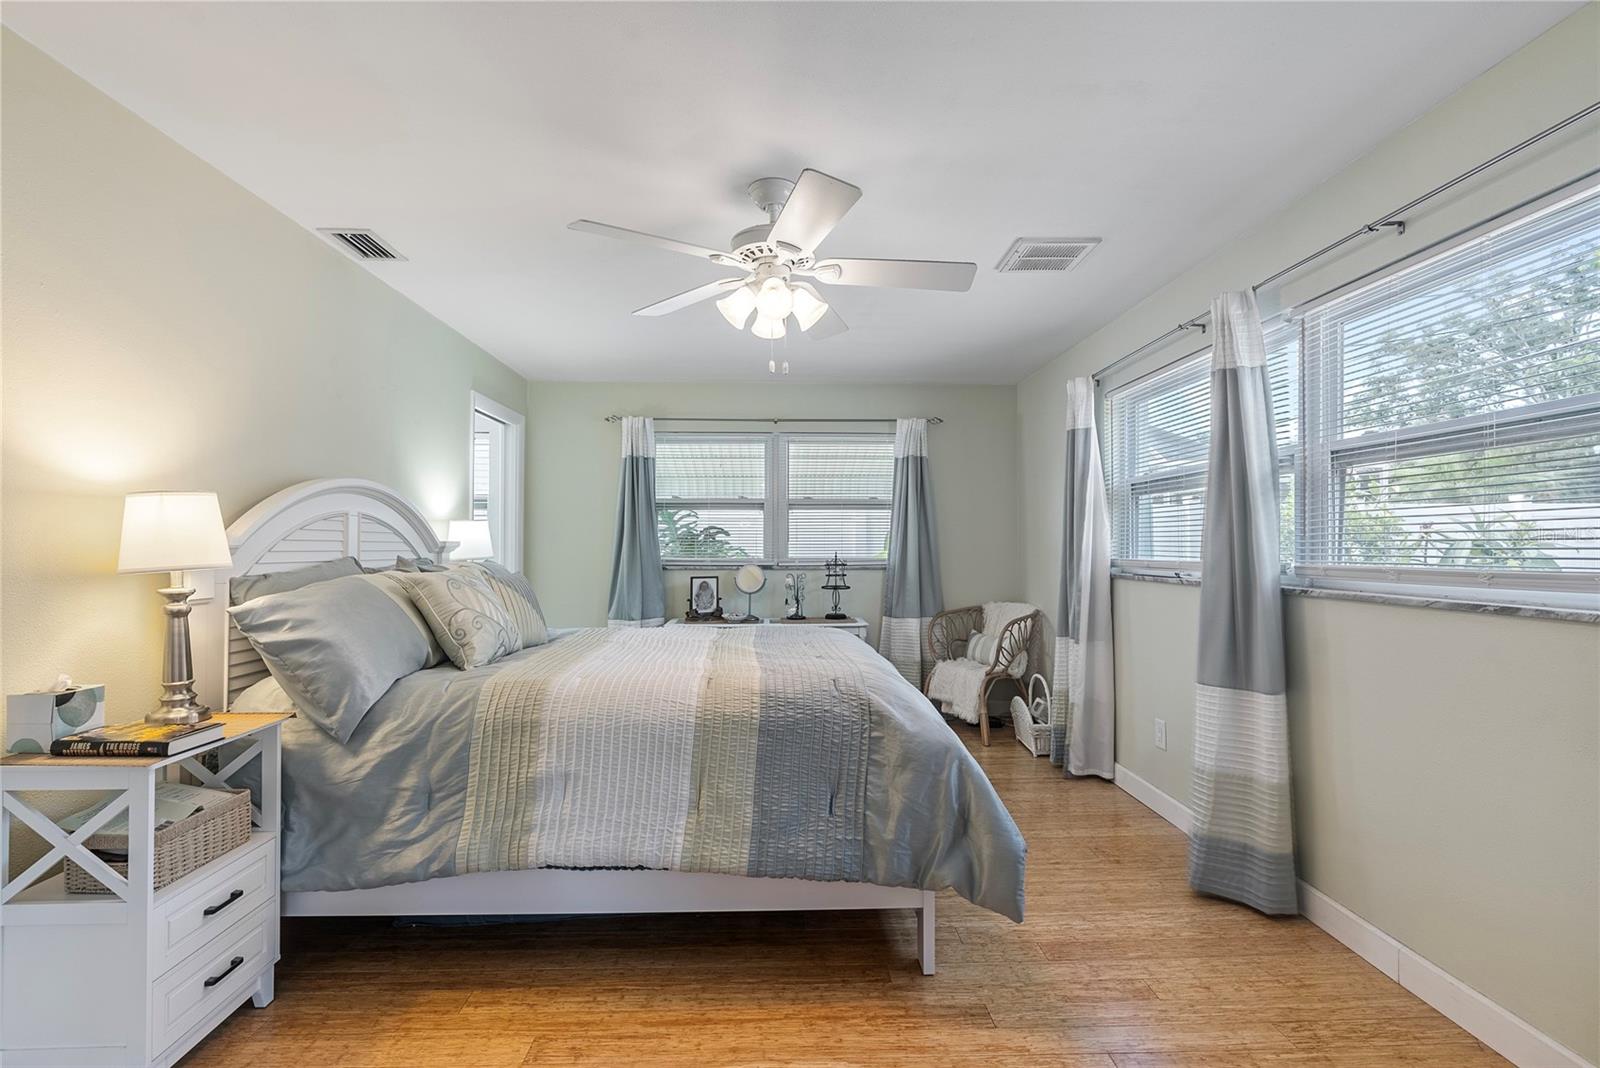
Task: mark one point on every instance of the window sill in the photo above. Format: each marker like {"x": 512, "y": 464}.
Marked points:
{"x": 1406, "y": 600}
{"x": 734, "y": 564}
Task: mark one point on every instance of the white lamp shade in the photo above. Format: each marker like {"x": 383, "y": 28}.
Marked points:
{"x": 172, "y": 532}
{"x": 768, "y": 329}
{"x": 472, "y": 538}
{"x": 808, "y": 306}
{"x": 737, "y": 306}
{"x": 773, "y": 300}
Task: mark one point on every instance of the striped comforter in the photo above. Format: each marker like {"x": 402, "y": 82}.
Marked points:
{"x": 767, "y": 751}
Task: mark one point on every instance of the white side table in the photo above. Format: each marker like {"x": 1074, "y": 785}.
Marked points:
{"x": 854, "y": 625}
{"x": 137, "y": 976}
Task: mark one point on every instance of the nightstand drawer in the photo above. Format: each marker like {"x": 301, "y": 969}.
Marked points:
{"x": 221, "y": 974}
{"x": 245, "y": 881}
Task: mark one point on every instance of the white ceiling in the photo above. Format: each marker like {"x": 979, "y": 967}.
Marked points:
{"x": 469, "y": 135}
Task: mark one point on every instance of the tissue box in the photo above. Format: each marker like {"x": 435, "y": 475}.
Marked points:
{"x": 34, "y": 720}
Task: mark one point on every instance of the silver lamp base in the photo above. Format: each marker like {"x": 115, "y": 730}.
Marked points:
{"x": 179, "y": 703}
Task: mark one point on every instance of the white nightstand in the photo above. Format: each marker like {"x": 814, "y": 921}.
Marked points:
{"x": 137, "y": 976}
{"x": 854, "y": 625}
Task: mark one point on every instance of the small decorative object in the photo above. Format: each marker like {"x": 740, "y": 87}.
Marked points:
{"x": 1031, "y": 718}
{"x": 749, "y": 580}
{"x": 705, "y": 598}
{"x": 833, "y": 581}
{"x": 472, "y": 538}
{"x": 34, "y": 720}
{"x": 794, "y": 590}
{"x": 174, "y": 532}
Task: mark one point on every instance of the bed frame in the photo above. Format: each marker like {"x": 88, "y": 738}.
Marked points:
{"x": 330, "y": 518}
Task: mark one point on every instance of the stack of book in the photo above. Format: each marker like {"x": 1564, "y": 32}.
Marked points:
{"x": 138, "y": 740}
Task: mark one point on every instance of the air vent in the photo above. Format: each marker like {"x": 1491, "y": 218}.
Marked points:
{"x": 1046, "y": 253}
{"x": 362, "y": 244}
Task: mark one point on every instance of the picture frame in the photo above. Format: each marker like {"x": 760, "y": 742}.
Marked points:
{"x": 705, "y": 595}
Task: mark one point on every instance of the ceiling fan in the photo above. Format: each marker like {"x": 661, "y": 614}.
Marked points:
{"x": 775, "y": 255}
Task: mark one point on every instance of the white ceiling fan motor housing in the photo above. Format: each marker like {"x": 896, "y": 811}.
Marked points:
{"x": 752, "y": 245}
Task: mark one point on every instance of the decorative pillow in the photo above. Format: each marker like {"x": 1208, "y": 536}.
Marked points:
{"x": 389, "y": 583}
{"x": 336, "y": 646}
{"x": 522, "y": 604}
{"x": 417, "y": 563}
{"x": 249, "y": 587}
{"x": 982, "y": 647}
{"x": 465, "y": 613}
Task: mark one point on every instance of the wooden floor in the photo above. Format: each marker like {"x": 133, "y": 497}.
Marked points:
{"x": 1117, "y": 966}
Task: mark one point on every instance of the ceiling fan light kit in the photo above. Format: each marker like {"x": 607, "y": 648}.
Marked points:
{"x": 773, "y": 255}
{"x": 768, "y": 329}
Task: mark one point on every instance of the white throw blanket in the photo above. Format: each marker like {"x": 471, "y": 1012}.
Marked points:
{"x": 956, "y": 686}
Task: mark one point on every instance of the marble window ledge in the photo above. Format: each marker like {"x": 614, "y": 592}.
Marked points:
{"x": 1453, "y": 604}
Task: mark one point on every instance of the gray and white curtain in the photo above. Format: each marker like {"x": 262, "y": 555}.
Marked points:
{"x": 1084, "y": 713}
{"x": 1242, "y": 847}
{"x": 911, "y": 591}
{"x": 638, "y": 594}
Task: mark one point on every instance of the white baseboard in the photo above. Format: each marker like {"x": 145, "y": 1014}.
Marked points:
{"x": 1507, "y": 1034}
{"x": 1162, "y": 804}
{"x": 1365, "y": 940}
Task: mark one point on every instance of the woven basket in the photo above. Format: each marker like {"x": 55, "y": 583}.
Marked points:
{"x": 185, "y": 846}
{"x": 1031, "y": 718}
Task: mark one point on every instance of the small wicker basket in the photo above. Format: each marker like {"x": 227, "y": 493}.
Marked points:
{"x": 185, "y": 846}
{"x": 1031, "y": 718}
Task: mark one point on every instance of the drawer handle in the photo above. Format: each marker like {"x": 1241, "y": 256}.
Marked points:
{"x": 215, "y": 979}
{"x": 212, "y": 910}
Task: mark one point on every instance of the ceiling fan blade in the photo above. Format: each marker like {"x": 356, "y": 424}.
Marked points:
{"x": 693, "y": 296}
{"x": 813, "y": 209}
{"x": 623, "y": 234}
{"x": 828, "y": 326}
{"x": 897, "y": 274}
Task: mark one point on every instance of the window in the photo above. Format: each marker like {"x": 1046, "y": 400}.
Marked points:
{"x": 773, "y": 498}
{"x": 1158, "y": 432}
{"x": 711, "y": 496}
{"x": 1450, "y": 431}
{"x": 1453, "y": 413}
{"x": 496, "y": 477}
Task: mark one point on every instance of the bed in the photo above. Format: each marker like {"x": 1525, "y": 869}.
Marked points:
{"x": 612, "y": 770}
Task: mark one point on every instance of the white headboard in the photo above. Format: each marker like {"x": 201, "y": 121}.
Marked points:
{"x": 309, "y": 522}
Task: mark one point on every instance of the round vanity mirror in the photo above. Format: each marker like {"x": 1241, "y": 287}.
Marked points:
{"x": 749, "y": 580}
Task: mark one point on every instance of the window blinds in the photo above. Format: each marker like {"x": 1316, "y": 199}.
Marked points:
{"x": 1158, "y": 433}
{"x": 711, "y": 496}
{"x": 482, "y": 452}
{"x": 1453, "y": 409}
{"x": 838, "y": 495}
{"x": 786, "y": 498}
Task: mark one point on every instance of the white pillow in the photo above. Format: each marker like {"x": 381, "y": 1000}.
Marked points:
{"x": 264, "y": 696}
{"x": 981, "y": 647}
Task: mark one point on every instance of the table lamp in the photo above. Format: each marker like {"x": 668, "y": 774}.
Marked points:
{"x": 174, "y": 532}
{"x": 472, "y": 539}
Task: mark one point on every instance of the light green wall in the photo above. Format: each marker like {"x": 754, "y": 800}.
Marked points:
{"x": 574, "y": 455}
{"x": 165, "y": 329}
{"x": 1447, "y": 777}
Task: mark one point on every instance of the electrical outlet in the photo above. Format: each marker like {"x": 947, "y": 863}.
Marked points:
{"x": 1161, "y": 734}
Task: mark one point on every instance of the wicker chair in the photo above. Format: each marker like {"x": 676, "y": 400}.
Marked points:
{"x": 948, "y": 635}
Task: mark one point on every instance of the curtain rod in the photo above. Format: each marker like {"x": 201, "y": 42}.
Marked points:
{"x": 1392, "y": 220}
{"x": 933, "y": 420}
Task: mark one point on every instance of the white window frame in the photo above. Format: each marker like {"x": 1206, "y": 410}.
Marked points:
{"x": 1315, "y": 458}
{"x": 1123, "y": 496}
{"x": 1323, "y": 455}
{"x": 509, "y": 472}
{"x": 776, "y": 504}
{"x": 789, "y": 504}
{"x": 768, "y": 527}
{"x": 1176, "y": 478}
